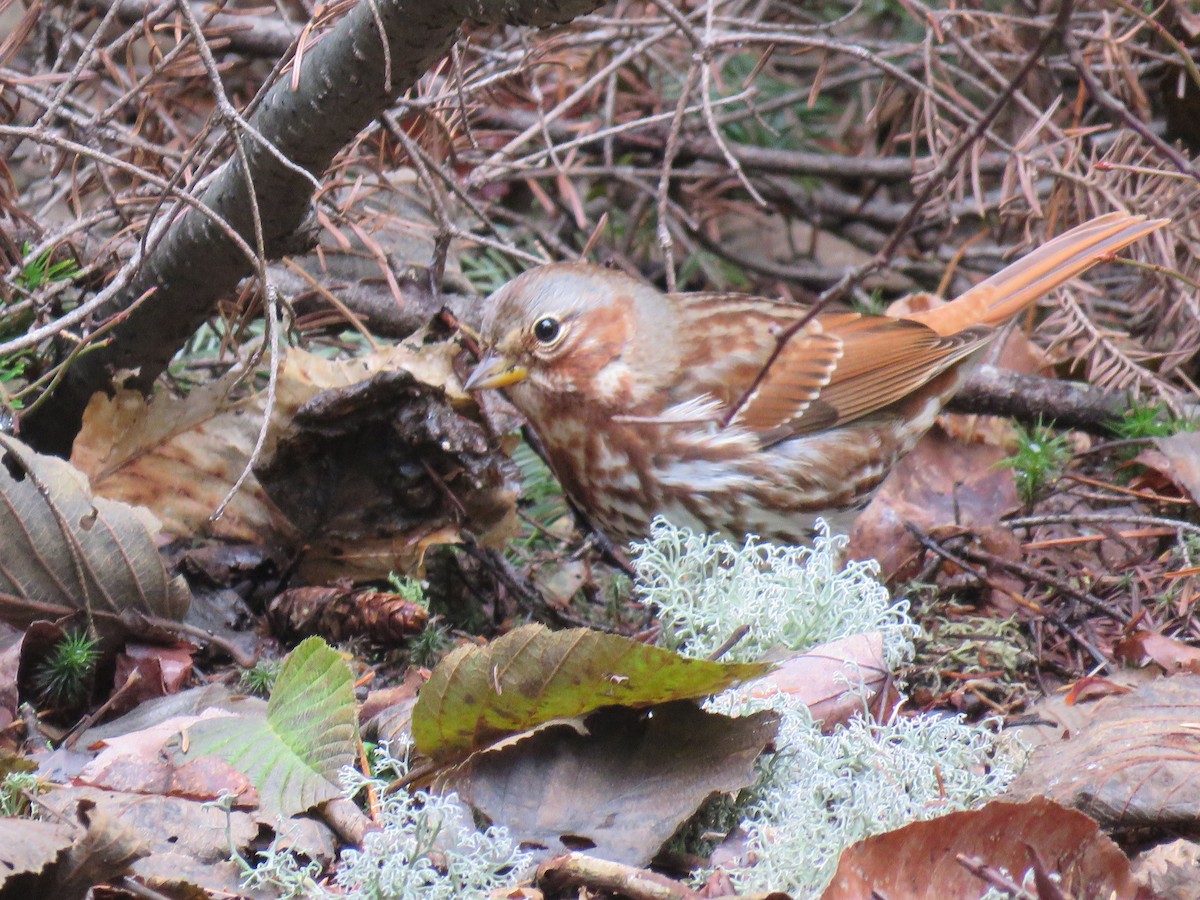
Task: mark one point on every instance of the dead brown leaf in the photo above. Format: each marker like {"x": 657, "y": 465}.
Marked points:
{"x": 622, "y": 789}
{"x": 761, "y": 238}
{"x": 65, "y": 551}
{"x": 1171, "y": 654}
{"x": 167, "y": 824}
{"x": 178, "y": 875}
{"x": 1135, "y": 762}
{"x": 1061, "y": 715}
{"x": 1182, "y": 452}
{"x": 105, "y": 851}
{"x": 926, "y": 859}
{"x": 1093, "y": 687}
{"x": 10, "y": 659}
{"x": 941, "y": 483}
{"x": 1170, "y": 869}
{"x": 147, "y": 671}
{"x": 29, "y": 846}
{"x": 137, "y": 763}
{"x": 181, "y": 456}
{"x": 386, "y": 714}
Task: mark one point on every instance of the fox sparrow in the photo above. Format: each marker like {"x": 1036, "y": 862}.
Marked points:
{"x": 730, "y": 413}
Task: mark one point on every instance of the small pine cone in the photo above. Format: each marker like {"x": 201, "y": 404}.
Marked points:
{"x": 339, "y": 613}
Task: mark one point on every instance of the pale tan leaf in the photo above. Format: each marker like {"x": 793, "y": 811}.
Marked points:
{"x": 143, "y": 451}
{"x": 179, "y": 457}
{"x": 833, "y": 680}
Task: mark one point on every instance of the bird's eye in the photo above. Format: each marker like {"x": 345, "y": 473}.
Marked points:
{"x": 546, "y": 330}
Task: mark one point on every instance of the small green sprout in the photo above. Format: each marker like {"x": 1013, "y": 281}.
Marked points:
{"x": 261, "y": 679}
{"x": 15, "y": 790}
{"x": 1149, "y": 420}
{"x": 427, "y": 647}
{"x": 63, "y": 678}
{"x": 411, "y": 590}
{"x": 431, "y": 643}
{"x": 12, "y": 371}
{"x": 1039, "y": 459}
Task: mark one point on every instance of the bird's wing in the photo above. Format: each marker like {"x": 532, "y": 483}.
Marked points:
{"x": 842, "y": 367}
{"x": 835, "y": 368}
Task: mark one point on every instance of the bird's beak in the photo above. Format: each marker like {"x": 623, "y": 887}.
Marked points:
{"x": 495, "y": 371}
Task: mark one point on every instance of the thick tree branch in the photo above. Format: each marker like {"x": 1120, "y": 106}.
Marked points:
{"x": 1028, "y": 398}
{"x": 354, "y": 73}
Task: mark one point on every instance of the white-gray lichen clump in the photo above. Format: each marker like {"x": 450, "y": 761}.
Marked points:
{"x": 703, "y": 589}
{"x": 817, "y": 794}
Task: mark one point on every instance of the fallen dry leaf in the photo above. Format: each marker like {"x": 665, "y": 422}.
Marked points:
{"x": 925, "y": 859}
{"x": 943, "y": 482}
{"x": 181, "y": 875}
{"x": 620, "y": 790}
{"x": 105, "y": 852}
{"x": 137, "y": 763}
{"x": 1182, "y": 452}
{"x": 181, "y": 456}
{"x": 28, "y": 845}
{"x": 1172, "y": 655}
{"x": 65, "y": 551}
{"x": 10, "y": 658}
{"x": 834, "y": 680}
{"x": 386, "y": 714}
{"x": 1170, "y": 870}
{"x": 147, "y": 671}
{"x": 1061, "y": 715}
{"x": 755, "y": 235}
{"x": 1135, "y": 762}
{"x": 167, "y": 824}
{"x": 1093, "y": 687}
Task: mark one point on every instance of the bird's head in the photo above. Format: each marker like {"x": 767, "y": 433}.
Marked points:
{"x": 574, "y": 331}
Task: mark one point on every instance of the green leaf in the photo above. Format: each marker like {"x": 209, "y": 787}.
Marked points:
{"x": 532, "y": 675}
{"x": 310, "y": 732}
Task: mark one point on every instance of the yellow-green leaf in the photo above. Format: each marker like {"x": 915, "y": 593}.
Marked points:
{"x": 310, "y": 732}
{"x": 532, "y": 675}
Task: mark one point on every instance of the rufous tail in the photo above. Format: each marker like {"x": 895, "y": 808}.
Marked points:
{"x": 996, "y": 300}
